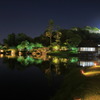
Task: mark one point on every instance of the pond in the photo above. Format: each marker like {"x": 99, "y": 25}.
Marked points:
{"x": 38, "y": 77}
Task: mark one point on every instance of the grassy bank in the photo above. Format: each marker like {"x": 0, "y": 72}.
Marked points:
{"x": 77, "y": 85}
{"x": 71, "y": 83}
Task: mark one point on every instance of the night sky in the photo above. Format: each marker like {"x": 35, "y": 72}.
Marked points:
{"x": 31, "y": 16}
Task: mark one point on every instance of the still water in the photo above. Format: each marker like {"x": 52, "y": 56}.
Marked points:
{"x": 37, "y": 77}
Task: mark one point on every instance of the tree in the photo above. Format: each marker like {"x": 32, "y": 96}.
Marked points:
{"x": 70, "y": 38}
{"x": 11, "y": 40}
{"x": 15, "y": 39}
{"x": 38, "y": 45}
{"x": 57, "y": 37}
{"x": 20, "y": 47}
{"x": 22, "y": 37}
{"x": 50, "y": 29}
{"x": 23, "y": 45}
{"x": 30, "y": 46}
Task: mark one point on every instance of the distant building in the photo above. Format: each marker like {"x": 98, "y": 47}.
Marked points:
{"x": 98, "y": 49}
{"x": 88, "y": 48}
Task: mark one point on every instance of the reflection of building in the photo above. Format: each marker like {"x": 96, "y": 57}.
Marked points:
{"x": 86, "y": 63}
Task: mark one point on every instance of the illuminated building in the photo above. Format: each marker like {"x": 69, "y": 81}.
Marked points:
{"x": 87, "y": 48}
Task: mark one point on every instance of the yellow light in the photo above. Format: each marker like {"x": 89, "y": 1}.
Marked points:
{"x": 95, "y": 66}
{"x": 57, "y": 47}
{"x": 92, "y": 96}
{"x": 11, "y": 56}
{"x": 55, "y": 60}
{"x": 20, "y": 53}
{"x": 64, "y": 60}
{"x": 64, "y": 48}
{"x": 12, "y": 51}
{"x": 1, "y": 55}
{"x": 1, "y": 50}
{"x": 77, "y": 98}
{"x": 90, "y": 73}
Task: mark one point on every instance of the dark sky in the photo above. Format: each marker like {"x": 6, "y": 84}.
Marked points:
{"x": 32, "y": 16}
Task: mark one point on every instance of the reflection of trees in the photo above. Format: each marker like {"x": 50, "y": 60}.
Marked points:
{"x": 21, "y": 62}
{"x": 53, "y": 66}
{"x": 60, "y": 66}
{"x": 11, "y": 63}
{"x": 14, "y": 64}
{"x": 28, "y": 60}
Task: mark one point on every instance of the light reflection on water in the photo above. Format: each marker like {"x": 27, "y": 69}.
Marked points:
{"x": 27, "y": 76}
{"x": 35, "y": 74}
{"x": 57, "y": 62}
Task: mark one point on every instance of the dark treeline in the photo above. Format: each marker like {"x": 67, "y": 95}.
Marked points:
{"x": 15, "y": 39}
{"x": 71, "y": 36}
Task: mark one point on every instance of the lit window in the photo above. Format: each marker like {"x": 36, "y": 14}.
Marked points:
{"x": 87, "y": 49}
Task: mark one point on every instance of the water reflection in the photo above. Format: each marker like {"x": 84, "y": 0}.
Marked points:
{"x": 56, "y": 68}
{"x": 28, "y": 60}
{"x": 90, "y": 66}
{"x": 91, "y": 71}
{"x": 86, "y": 63}
{"x": 48, "y": 64}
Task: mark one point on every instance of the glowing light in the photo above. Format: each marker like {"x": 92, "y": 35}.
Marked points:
{"x": 1, "y": 50}
{"x": 98, "y": 45}
{"x": 82, "y": 72}
{"x": 90, "y": 72}
{"x": 55, "y": 48}
{"x": 64, "y": 48}
{"x": 87, "y": 49}
{"x": 55, "y": 60}
{"x": 94, "y": 67}
{"x": 86, "y": 63}
{"x": 74, "y": 59}
{"x": 64, "y": 60}
{"x": 95, "y": 64}
{"x": 91, "y": 96}
{"x": 19, "y": 53}
{"x": 76, "y": 98}
{"x": 73, "y": 48}
{"x": 11, "y": 56}
{"x": 1, "y": 55}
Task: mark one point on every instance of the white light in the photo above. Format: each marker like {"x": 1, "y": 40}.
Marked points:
{"x": 87, "y": 49}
